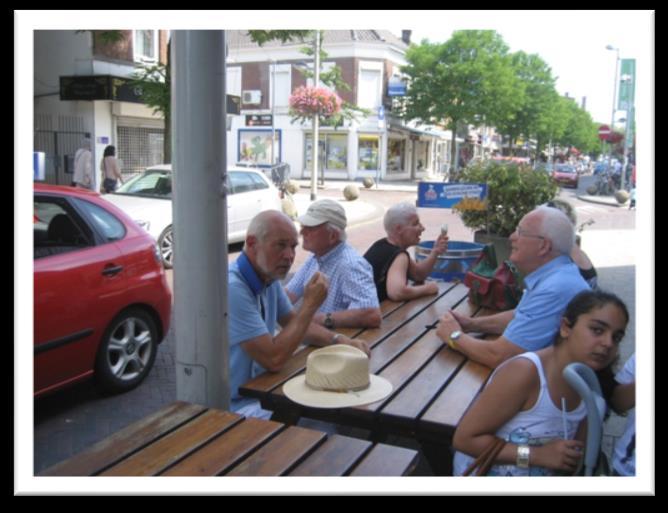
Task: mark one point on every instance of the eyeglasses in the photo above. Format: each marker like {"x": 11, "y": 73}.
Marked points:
{"x": 521, "y": 233}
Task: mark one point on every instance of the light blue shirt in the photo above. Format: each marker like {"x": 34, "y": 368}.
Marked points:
{"x": 350, "y": 276}
{"x": 548, "y": 291}
{"x": 248, "y": 296}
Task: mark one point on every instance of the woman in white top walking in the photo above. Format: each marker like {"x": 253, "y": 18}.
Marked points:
{"x": 110, "y": 170}
{"x": 528, "y": 403}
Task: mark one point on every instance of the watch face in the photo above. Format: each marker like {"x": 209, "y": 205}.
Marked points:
{"x": 455, "y": 334}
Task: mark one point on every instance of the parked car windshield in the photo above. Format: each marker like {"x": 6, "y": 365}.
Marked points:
{"x": 152, "y": 182}
{"x": 565, "y": 169}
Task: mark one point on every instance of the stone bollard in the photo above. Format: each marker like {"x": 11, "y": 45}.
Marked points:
{"x": 289, "y": 208}
{"x": 368, "y": 182}
{"x": 622, "y": 197}
{"x": 351, "y": 192}
{"x": 292, "y": 187}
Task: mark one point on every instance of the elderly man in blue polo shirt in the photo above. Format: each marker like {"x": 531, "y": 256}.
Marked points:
{"x": 352, "y": 301}
{"x": 258, "y": 304}
{"x": 541, "y": 247}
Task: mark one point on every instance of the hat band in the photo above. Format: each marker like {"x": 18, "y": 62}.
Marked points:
{"x": 339, "y": 390}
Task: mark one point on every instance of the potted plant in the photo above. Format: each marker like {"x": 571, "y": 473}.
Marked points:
{"x": 513, "y": 190}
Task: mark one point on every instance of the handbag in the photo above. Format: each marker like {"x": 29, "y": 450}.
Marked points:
{"x": 484, "y": 462}
{"x": 491, "y": 285}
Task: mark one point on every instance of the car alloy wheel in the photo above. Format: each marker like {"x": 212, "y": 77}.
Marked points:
{"x": 166, "y": 245}
{"x": 127, "y": 351}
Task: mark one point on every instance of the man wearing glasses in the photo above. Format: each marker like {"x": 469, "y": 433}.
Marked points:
{"x": 541, "y": 247}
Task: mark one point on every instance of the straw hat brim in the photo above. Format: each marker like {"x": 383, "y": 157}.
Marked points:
{"x": 297, "y": 390}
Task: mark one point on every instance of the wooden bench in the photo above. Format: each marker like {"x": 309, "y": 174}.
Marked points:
{"x": 433, "y": 385}
{"x": 186, "y": 439}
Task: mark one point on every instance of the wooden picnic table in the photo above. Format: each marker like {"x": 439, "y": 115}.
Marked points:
{"x": 186, "y": 439}
{"x": 433, "y": 385}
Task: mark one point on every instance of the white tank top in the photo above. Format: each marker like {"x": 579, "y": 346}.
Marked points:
{"x": 540, "y": 423}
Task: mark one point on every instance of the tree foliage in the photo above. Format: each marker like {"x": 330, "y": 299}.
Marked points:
{"x": 466, "y": 80}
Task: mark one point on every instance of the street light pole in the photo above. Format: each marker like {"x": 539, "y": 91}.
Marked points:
{"x": 316, "y": 120}
{"x": 614, "y": 95}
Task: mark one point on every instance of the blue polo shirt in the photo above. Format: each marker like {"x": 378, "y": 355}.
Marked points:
{"x": 254, "y": 310}
{"x": 548, "y": 291}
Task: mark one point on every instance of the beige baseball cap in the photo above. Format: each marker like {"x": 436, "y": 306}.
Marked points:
{"x": 337, "y": 376}
{"x": 324, "y": 211}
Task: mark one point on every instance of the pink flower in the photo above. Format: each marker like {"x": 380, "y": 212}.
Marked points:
{"x": 306, "y": 101}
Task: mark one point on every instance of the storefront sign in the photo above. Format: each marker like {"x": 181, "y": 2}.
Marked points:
{"x": 259, "y": 120}
{"x": 448, "y": 195}
{"x": 396, "y": 87}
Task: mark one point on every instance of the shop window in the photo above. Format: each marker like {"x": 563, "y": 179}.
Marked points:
{"x": 396, "y": 150}
{"x": 332, "y": 151}
{"x": 422, "y": 155}
{"x": 368, "y": 152}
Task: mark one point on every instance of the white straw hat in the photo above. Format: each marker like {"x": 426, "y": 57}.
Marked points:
{"x": 337, "y": 376}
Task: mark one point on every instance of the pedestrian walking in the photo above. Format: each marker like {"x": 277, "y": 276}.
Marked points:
{"x": 111, "y": 172}
{"x": 83, "y": 166}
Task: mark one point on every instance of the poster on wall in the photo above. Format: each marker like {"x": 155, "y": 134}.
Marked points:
{"x": 255, "y": 147}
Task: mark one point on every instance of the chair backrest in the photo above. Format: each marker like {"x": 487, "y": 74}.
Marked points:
{"x": 63, "y": 231}
{"x": 584, "y": 381}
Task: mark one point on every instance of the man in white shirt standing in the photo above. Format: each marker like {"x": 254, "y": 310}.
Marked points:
{"x": 83, "y": 166}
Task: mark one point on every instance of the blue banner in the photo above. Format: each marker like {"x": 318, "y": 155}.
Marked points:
{"x": 447, "y": 195}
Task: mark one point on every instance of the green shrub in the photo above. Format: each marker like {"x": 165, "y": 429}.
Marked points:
{"x": 512, "y": 192}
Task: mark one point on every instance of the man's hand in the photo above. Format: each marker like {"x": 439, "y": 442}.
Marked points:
{"x": 359, "y": 344}
{"x": 446, "y": 326}
{"x": 465, "y": 322}
{"x": 315, "y": 291}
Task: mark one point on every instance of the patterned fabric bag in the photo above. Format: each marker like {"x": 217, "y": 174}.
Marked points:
{"x": 492, "y": 286}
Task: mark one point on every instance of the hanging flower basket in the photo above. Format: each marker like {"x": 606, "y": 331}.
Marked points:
{"x": 306, "y": 101}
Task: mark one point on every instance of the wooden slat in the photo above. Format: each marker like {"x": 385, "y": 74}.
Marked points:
{"x": 391, "y": 346}
{"x": 333, "y": 458}
{"x": 168, "y": 450}
{"x": 407, "y": 405}
{"x": 227, "y": 450}
{"x": 282, "y": 453}
{"x": 113, "y": 449}
{"x": 386, "y": 460}
{"x": 448, "y": 409}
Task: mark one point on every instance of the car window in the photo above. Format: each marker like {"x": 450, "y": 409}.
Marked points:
{"x": 57, "y": 228}
{"x": 149, "y": 183}
{"x": 258, "y": 182}
{"x": 106, "y": 223}
{"x": 241, "y": 182}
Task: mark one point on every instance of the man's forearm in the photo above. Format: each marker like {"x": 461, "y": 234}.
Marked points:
{"x": 493, "y": 324}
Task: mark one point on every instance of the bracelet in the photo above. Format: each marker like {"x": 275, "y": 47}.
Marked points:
{"x": 452, "y": 344}
{"x": 523, "y": 452}
{"x": 336, "y": 337}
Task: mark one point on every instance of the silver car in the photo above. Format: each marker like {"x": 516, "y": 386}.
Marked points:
{"x": 147, "y": 198}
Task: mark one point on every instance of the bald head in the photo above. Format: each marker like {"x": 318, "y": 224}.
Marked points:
{"x": 265, "y": 222}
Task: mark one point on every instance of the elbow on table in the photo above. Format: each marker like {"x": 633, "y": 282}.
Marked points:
{"x": 373, "y": 318}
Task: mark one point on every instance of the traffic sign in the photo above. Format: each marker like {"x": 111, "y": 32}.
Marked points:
{"x": 604, "y": 132}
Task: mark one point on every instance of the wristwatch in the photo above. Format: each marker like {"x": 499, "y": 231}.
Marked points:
{"x": 454, "y": 337}
{"x": 329, "y": 322}
{"x": 523, "y": 453}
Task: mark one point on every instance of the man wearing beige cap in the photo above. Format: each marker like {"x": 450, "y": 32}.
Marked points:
{"x": 352, "y": 301}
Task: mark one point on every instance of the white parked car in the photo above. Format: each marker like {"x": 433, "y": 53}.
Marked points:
{"x": 147, "y": 198}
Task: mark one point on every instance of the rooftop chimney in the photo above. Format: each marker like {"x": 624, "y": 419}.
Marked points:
{"x": 406, "y": 36}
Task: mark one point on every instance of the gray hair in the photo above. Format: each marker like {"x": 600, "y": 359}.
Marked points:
{"x": 398, "y": 215}
{"x": 556, "y": 226}
{"x": 342, "y": 233}
{"x": 263, "y": 223}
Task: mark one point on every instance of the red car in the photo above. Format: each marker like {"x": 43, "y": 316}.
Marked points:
{"x": 102, "y": 303}
{"x": 564, "y": 174}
